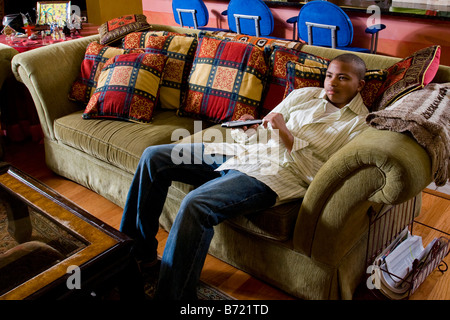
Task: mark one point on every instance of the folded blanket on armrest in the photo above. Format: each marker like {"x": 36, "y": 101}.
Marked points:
{"x": 425, "y": 114}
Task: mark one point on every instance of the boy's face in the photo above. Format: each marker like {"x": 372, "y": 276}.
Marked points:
{"x": 341, "y": 83}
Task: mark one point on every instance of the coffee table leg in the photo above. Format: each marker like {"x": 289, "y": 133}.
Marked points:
{"x": 19, "y": 223}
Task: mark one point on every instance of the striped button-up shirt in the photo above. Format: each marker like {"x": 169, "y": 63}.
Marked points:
{"x": 319, "y": 130}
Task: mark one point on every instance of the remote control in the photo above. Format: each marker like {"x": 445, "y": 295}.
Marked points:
{"x": 241, "y": 123}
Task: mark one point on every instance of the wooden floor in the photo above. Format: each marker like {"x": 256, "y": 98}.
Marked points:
{"x": 29, "y": 157}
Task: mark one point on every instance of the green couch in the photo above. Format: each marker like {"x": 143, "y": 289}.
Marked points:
{"x": 6, "y": 55}
{"x": 312, "y": 249}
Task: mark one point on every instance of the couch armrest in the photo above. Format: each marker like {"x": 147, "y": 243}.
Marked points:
{"x": 48, "y": 73}
{"x": 377, "y": 167}
{"x": 6, "y": 55}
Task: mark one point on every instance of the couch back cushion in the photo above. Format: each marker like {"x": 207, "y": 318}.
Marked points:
{"x": 121, "y": 143}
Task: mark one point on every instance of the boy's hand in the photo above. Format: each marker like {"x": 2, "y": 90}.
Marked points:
{"x": 277, "y": 122}
{"x": 248, "y": 117}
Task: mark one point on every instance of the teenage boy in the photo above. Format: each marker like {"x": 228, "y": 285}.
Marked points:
{"x": 304, "y": 130}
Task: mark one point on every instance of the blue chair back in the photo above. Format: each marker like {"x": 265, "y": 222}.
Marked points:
{"x": 324, "y": 12}
{"x": 250, "y": 8}
{"x": 201, "y": 14}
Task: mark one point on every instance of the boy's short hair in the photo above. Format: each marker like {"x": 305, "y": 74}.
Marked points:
{"x": 357, "y": 62}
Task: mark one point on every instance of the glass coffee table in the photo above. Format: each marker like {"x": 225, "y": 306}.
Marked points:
{"x": 52, "y": 249}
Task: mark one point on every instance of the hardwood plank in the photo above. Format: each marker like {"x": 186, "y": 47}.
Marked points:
{"x": 29, "y": 157}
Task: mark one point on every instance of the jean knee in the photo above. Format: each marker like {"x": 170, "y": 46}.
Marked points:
{"x": 155, "y": 154}
{"x": 198, "y": 207}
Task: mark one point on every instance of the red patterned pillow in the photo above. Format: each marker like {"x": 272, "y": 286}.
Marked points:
{"x": 279, "y": 57}
{"x": 128, "y": 88}
{"x": 115, "y": 29}
{"x": 226, "y": 81}
{"x": 94, "y": 59}
{"x": 409, "y": 74}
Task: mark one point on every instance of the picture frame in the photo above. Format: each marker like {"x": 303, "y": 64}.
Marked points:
{"x": 49, "y": 12}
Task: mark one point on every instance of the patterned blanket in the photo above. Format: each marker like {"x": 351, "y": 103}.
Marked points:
{"x": 425, "y": 114}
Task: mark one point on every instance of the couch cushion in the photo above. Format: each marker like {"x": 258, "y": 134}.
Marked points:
{"x": 276, "y": 223}
{"x": 121, "y": 143}
{"x": 128, "y": 88}
{"x": 227, "y": 80}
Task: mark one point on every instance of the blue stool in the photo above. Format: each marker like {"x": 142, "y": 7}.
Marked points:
{"x": 191, "y": 13}
{"x": 325, "y": 24}
{"x": 250, "y": 17}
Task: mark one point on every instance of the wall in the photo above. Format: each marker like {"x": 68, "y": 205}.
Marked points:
{"x": 402, "y": 36}
{"x": 100, "y": 11}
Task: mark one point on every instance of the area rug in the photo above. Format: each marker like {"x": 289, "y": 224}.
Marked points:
{"x": 52, "y": 236}
{"x": 204, "y": 290}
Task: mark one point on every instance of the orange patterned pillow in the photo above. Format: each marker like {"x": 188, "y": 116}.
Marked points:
{"x": 94, "y": 59}
{"x": 128, "y": 88}
{"x": 226, "y": 81}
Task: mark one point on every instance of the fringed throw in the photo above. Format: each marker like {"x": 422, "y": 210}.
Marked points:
{"x": 425, "y": 114}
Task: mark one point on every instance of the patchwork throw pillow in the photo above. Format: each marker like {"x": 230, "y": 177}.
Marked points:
{"x": 94, "y": 59}
{"x": 227, "y": 80}
{"x": 115, "y": 29}
{"x": 299, "y": 76}
{"x": 279, "y": 57}
{"x": 128, "y": 88}
{"x": 180, "y": 51}
{"x": 409, "y": 74}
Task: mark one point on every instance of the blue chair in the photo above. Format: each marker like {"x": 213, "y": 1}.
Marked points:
{"x": 250, "y": 17}
{"x": 191, "y": 13}
{"x": 325, "y": 24}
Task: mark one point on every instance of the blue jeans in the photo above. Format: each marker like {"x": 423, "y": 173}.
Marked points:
{"x": 218, "y": 196}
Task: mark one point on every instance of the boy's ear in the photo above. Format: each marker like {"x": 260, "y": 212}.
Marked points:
{"x": 361, "y": 85}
